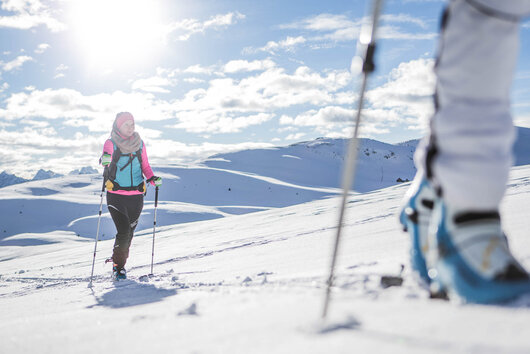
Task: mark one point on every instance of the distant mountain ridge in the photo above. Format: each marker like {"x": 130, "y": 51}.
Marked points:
{"x": 7, "y": 179}
{"x": 318, "y": 163}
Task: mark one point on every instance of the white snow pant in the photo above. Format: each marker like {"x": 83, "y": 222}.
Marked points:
{"x": 468, "y": 153}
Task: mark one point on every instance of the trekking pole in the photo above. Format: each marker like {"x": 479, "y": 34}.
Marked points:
{"x": 367, "y": 41}
{"x": 154, "y": 229}
{"x": 105, "y": 173}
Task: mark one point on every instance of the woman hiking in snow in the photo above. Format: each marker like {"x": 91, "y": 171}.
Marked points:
{"x": 126, "y": 164}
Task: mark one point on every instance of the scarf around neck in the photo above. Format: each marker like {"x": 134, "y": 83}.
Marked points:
{"x": 126, "y": 145}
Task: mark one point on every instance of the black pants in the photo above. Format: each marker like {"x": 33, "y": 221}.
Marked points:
{"x": 125, "y": 211}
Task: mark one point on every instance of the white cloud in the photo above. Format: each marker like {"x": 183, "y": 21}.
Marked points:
{"x": 193, "y": 80}
{"x": 407, "y": 96}
{"x": 322, "y": 22}
{"x": 96, "y": 112}
{"x": 403, "y": 18}
{"x": 215, "y": 121}
{"x": 4, "y": 87}
{"x": 148, "y": 134}
{"x": 296, "y": 136}
{"x": 234, "y": 66}
{"x": 39, "y": 124}
{"x": 228, "y": 105}
{"x": 288, "y": 44}
{"x": 392, "y": 32}
{"x": 330, "y": 117}
{"x": 44, "y": 139}
{"x": 340, "y": 28}
{"x": 28, "y": 14}
{"x": 225, "y": 105}
{"x": 268, "y": 91}
{"x": 153, "y": 84}
{"x": 16, "y": 63}
{"x": 39, "y": 146}
{"x": 405, "y": 99}
{"x": 199, "y": 69}
{"x": 41, "y": 48}
{"x": 60, "y": 71}
{"x": 286, "y": 128}
{"x": 186, "y": 28}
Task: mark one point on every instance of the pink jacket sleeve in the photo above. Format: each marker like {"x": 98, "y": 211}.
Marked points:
{"x": 146, "y": 168}
{"x": 108, "y": 147}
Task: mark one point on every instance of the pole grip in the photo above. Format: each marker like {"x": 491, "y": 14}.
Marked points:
{"x": 156, "y": 197}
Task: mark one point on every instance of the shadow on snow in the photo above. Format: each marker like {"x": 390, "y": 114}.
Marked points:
{"x": 127, "y": 293}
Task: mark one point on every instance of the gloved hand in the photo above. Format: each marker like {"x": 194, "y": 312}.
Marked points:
{"x": 106, "y": 159}
{"x": 156, "y": 181}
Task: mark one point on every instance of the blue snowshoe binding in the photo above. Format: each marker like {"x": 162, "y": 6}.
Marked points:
{"x": 415, "y": 217}
{"x": 473, "y": 260}
{"x": 118, "y": 273}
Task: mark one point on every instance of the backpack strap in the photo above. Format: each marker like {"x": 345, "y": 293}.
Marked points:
{"x": 138, "y": 155}
{"x": 116, "y": 154}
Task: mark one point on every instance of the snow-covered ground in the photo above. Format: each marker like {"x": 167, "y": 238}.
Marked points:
{"x": 251, "y": 283}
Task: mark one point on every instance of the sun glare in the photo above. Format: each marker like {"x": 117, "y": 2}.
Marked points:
{"x": 113, "y": 35}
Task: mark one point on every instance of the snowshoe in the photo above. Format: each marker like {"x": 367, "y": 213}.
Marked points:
{"x": 472, "y": 259}
{"x": 118, "y": 273}
{"x": 415, "y": 218}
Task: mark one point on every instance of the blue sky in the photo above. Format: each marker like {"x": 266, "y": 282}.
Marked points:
{"x": 203, "y": 77}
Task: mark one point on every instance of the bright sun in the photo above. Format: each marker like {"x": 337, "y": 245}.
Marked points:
{"x": 113, "y": 35}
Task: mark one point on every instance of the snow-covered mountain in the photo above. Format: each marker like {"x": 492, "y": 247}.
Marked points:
{"x": 45, "y": 174}
{"x": 319, "y": 163}
{"x": 87, "y": 170}
{"x": 7, "y": 179}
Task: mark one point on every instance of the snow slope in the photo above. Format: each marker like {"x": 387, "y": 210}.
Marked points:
{"x": 252, "y": 283}
{"x": 188, "y": 194}
{"x": 320, "y": 162}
